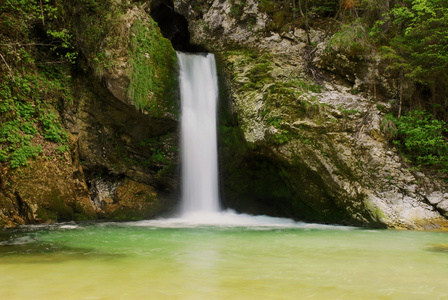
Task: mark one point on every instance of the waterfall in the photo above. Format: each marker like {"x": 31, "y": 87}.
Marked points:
{"x": 199, "y": 95}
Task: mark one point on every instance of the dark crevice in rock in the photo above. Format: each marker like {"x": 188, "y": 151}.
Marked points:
{"x": 435, "y": 206}
{"x": 173, "y": 26}
{"x": 23, "y": 209}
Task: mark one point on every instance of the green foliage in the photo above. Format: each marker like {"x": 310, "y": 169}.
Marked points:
{"x": 388, "y": 126}
{"x": 31, "y": 92}
{"x": 20, "y": 156}
{"x": 161, "y": 151}
{"x": 324, "y": 8}
{"x": 27, "y": 118}
{"x": 62, "y": 149}
{"x": 63, "y": 47}
{"x": 158, "y": 156}
{"x": 412, "y": 39}
{"x": 51, "y": 127}
{"x": 382, "y": 108}
{"x": 19, "y": 23}
{"x": 421, "y": 137}
{"x": 352, "y": 39}
{"x": 3, "y": 155}
{"x": 414, "y": 42}
{"x": 26, "y": 10}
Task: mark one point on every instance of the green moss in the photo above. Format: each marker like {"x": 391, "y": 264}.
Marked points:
{"x": 154, "y": 70}
{"x": 288, "y": 97}
{"x": 149, "y": 198}
{"x": 280, "y": 137}
{"x": 376, "y": 213}
{"x": 99, "y": 20}
{"x": 349, "y": 112}
{"x": 45, "y": 215}
{"x": 281, "y": 14}
{"x": 237, "y": 8}
{"x": 58, "y": 207}
{"x": 268, "y": 6}
{"x": 55, "y": 209}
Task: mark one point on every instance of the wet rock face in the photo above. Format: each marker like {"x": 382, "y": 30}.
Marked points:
{"x": 45, "y": 191}
{"x": 126, "y": 199}
{"x": 120, "y": 148}
{"x": 124, "y": 120}
{"x": 294, "y": 146}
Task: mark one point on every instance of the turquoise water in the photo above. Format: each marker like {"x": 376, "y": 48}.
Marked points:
{"x": 150, "y": 260}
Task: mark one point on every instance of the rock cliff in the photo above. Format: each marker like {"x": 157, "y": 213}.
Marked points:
{"x": 119, "y": 159}
{"x": 301, "y": 122}
{"x": 301, "y": 135}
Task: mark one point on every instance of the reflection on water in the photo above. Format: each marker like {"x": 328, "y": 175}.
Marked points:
{"x": 27, "y": 248}
{"x": 443, "y": 248}
{"x": 165, "y": 260}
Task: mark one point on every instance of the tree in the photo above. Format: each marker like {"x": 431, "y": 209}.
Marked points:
{"x": 418, "y": 47}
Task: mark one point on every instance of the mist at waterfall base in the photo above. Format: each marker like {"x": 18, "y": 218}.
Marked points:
{"x": 205, "y": 253}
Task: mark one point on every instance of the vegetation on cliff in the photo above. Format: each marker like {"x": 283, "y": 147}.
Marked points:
{"x": 154, "y": 67}
{"x": 35, "y": 66}
{"x": 39, "y": 47}
{"x": 405, "y": 40}
{"x": 87, "y": 90}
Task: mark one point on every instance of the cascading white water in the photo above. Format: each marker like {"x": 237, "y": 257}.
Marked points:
{"x": 199, "y": 95}
{"x": 200, "y": 200}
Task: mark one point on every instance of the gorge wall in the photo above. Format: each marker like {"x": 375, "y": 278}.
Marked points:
{"x": 300, "y": 127}
{"x": 302, "y": 135}
{"x": 118, "y": 156}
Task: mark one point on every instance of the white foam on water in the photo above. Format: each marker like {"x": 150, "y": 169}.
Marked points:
{"x": 230, "y": 218}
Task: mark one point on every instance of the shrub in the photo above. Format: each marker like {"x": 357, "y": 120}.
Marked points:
{"x": 422, "y": 139}
{"x": 352, "y": 39}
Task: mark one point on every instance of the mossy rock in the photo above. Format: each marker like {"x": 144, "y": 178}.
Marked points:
{"x": 135, "y": 201}
{"x": 153, "y": 81}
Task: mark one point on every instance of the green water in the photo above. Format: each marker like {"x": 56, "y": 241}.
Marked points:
{"x": 135, "y": 261}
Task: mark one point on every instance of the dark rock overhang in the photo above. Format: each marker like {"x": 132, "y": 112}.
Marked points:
{"x": 173, "y": 26}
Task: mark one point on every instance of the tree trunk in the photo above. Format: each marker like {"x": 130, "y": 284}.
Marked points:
{"x": 294, "y": 9}
{"x": 305, "y": 17}
{"x": 42, "y": 12}
{"x": 400, "y": 94}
